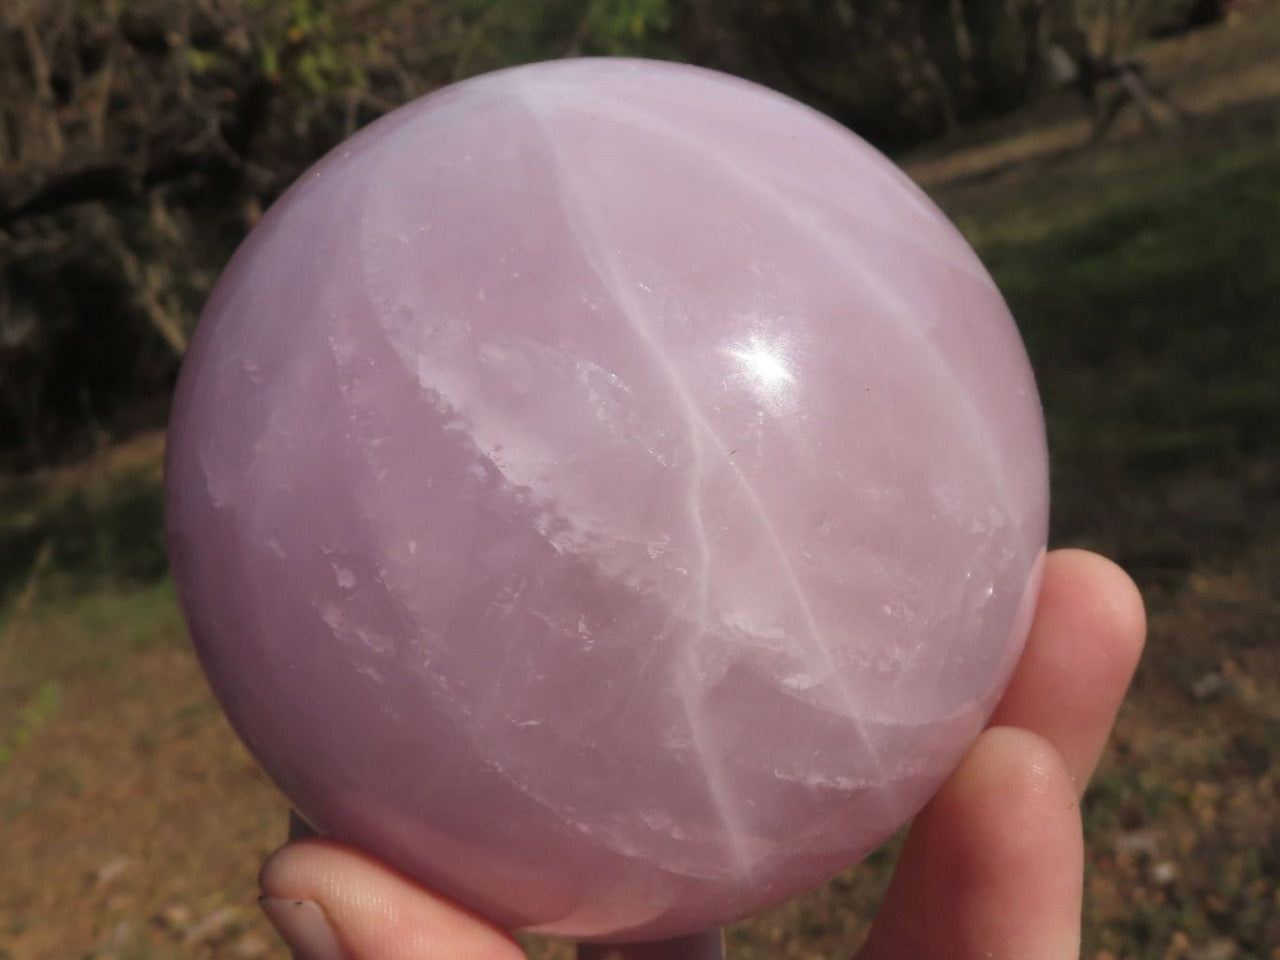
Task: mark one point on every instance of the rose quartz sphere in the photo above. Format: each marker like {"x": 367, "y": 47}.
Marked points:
{"x": 609, "y": 492}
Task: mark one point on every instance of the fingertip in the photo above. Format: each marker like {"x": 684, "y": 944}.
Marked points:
{"x": 1106, "y": 593}
{"x": 1079, "y": 658}
{"x": 300, "y": 869}
{"x": 1011, "y": 784}
{"x": 1017, "y": 844}
{"x": 305, "y": 928}
{"x": 993, "y": 866}
{"x": 374, "y": 912}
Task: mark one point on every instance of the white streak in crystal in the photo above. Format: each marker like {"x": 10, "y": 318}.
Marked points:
{"x": 769, "y": 189}
{"x": 596, "y": 252}
{"x": 827, "y": 241}
{"x": 584, "y": 231}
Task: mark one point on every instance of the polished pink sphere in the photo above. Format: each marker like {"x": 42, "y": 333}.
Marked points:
{"x": 609, "y": 492}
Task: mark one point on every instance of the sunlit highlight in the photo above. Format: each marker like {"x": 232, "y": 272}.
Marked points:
{"x": 763, "y": 365}
{"x": 766, "y": 366}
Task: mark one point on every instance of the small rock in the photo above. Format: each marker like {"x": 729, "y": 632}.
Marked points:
{"x": 117, "y": 941}
{"x": 1164, "y": 873}
{"x": 251, "y": 947}
{"x": 111, "y": 871}
{"x": 1213, "y": 686}
{"x": 175, "y": 917}
{"x": 1222, "y": 949}
{"x": 1142, "y": 843}
{"x": 212, "y": 926}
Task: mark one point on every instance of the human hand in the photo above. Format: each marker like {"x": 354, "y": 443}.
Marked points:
{"x": 992, "y": 868}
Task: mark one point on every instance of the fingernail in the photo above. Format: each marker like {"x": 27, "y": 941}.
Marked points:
{"x": 304, "y": 927}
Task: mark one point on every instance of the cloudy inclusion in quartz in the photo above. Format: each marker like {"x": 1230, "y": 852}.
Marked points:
{"x": 609, "y": 492}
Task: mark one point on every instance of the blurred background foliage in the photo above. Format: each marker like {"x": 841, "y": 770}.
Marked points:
{"x": 139, "y": 140}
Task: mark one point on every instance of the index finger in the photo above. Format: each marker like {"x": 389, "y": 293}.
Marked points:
{"x": 1081, "y": 653}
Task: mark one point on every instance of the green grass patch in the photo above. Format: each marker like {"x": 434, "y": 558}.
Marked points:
{"x": 1147, "y": 285}
{"x": 57, "y": 642}
{"x": 95, "y": 632}
{"x": 37, "y": 711}
{"x": 83, "y": 584}
{"x": 102, "y": 528}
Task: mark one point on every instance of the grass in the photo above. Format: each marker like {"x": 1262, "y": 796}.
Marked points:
{"x": 1146, "y": 276}
{"x": 99, "y": 524}
{"x": 1145, "y": 273}
{"x": 1147, "y": 292}
{"x": 83, "y": 581}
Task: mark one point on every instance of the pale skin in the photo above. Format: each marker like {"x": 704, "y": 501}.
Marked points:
{"x": 992, "y": 868}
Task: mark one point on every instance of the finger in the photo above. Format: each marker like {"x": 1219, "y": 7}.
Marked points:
{"x": 994, "y": 865}
{"x": 332, "y": 903}
{"x": 1080, "y": 656}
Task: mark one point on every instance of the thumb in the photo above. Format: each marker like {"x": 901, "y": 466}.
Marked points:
{"x": 332, "y": 903}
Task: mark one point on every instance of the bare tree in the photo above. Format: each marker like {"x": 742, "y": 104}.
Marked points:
{"x": 138, "y": 141}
